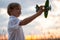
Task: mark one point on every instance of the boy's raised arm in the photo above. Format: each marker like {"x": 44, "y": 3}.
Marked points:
{"x": 29, "y": 19}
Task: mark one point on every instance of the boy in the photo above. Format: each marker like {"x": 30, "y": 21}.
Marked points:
{"x": 14, "y": 25}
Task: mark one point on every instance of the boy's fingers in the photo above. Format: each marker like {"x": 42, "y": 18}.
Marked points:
{"x": 42, "y": 7}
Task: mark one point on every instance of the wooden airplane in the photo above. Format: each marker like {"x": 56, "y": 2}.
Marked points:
{"x": 47, "y": 8}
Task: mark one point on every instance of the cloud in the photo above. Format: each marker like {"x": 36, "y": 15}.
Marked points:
{"x": 4, "y": 3}
{"x": 24, "y": 3}
{"x": 56, "y": 7}
{"x": 3, "y": 17}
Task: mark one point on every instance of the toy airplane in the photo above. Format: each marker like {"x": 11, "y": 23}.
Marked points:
{"x": 47, "y": 8}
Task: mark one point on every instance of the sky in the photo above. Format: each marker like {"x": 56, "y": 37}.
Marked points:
{"x": 37, "y": 26}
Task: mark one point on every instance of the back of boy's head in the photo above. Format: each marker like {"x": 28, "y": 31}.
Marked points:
{"x": 12, "y": 6}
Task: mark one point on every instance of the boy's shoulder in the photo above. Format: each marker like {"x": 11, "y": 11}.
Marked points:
{"x": 13, "y": 20}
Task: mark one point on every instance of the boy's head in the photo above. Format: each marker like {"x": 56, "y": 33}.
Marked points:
{"x": 14, "y": 9}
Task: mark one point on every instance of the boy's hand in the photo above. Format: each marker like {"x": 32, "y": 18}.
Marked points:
{"x": 41, "y": 9}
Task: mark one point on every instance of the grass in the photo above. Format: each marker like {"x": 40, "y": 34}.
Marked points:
{"x": 34, "y": 37}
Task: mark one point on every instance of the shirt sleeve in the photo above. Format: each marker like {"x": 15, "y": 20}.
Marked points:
{"x": 14, "y": 24}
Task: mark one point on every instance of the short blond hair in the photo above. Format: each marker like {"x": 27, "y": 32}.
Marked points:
{"x": 12, "y": 6}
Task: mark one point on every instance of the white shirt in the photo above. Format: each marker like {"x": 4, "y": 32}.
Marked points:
{"x": 14, "y": 29}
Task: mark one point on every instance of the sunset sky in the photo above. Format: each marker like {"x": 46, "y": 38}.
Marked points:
{"x": 40, "y": 24}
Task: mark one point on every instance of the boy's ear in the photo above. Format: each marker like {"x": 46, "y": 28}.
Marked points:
{"x": 10, "y": 10}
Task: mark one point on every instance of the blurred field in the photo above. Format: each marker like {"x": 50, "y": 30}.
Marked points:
{"x": 34, "y": 37}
